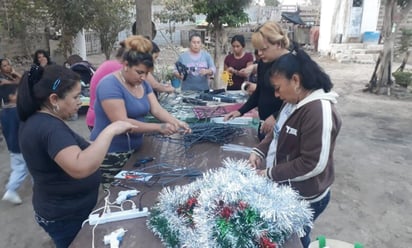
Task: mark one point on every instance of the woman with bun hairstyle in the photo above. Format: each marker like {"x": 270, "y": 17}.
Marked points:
{"x": 64, "y": 166}
{"x": 271, "y": 42}
{"x": 126, "y": 95}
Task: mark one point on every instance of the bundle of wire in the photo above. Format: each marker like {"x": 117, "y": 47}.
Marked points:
{"x": 211, "y": 132}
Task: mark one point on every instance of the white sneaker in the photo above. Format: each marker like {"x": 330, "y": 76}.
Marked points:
{"x": 12, "y": 196}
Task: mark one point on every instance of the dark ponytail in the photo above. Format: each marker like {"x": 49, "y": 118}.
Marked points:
{"x": 39, "y": 83}
{"x": 26, "y": 103}
{"x": 312, "y": 76}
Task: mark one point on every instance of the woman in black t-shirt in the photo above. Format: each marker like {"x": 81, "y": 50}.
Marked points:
{"x": 64, "y": 166}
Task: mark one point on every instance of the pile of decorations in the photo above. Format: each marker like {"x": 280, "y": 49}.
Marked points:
{"x": 229, "y": 207}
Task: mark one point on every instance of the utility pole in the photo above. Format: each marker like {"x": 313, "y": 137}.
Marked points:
{"x": 144, "y": 17}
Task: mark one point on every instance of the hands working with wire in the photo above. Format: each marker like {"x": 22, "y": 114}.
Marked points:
{"x": 183, "y": 127}
{"x": 177, "y": 127}
{"x": 232, "y": 115}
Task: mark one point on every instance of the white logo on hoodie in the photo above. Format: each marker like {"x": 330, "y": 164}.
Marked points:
{"x": 291, "y": 130}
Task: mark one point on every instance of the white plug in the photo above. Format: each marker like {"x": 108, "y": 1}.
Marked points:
{"x": 125, "y": 194}
{"x": 114, "y": 238}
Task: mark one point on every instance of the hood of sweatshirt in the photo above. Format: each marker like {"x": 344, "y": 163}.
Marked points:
{"x": 319, "y": 94}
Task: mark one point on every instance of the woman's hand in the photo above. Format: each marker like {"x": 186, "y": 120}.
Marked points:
{"x": 251, "y": 88}
{"x": 231, "y": 115}
{"x": 205, "y": 72}
{"x": 231, "y": 70}
{"x": 168, "y": 88}
{"x": 119, "y": 127}
{"x": 167, "y": 128}
{"x": 15, "y": 74}
{"x": 255, "y": 160}
{"x": 248, "y": 70}
{"x": 43, "y": 63}
{"x": 267, "y": 125}
{"x": 261, "y": 173}
{"x": 178, "y": 75}
{"x": 183, "y": 127}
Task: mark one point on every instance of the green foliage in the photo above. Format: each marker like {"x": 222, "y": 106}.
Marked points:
{"x": 22, "y": 16}
{"x": 219, "y": 12}
{"x": 406, "y": 40}
{"x": 175, "y": 11}
{"x": 403, "y": 3}
{"x": 403, "y": 78}
{"x": 69, "y": 16}
{"x": 108, "y": 18}
{"x": 271, "y": 3}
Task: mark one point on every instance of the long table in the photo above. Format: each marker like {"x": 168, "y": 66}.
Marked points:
{"x": 202, "y": 156}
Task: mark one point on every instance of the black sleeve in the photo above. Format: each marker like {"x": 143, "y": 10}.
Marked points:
{"x": 251, "y": 102}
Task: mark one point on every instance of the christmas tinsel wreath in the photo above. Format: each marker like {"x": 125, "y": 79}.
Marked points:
{"x": 229, "y": 207}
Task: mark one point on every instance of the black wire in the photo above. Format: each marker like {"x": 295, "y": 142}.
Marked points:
{"x": 211, "y": 132}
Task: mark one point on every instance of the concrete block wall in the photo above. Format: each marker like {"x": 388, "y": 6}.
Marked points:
{"x": 355, "y": 52}
{"x": 17, "y": 47}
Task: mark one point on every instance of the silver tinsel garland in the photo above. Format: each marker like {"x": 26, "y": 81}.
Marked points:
{"x": 279, "y": 206}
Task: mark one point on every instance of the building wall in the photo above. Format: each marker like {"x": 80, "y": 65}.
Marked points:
{"x": 336, "y": 22}
{"x": 17, "y": 47}
{"x": 370, "y": 15}
{"x": 326, "y": 25}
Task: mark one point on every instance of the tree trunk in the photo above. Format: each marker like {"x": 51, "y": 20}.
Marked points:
{"x": 389, "y": 31}
{"x": 220, "y": 40}
{"x": 392, "y": 20}
{"x": 144, "y": 17}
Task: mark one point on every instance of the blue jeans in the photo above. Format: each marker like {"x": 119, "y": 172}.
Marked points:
{"x": 317, "y": 208}
{"x": 18, "y": 171}
{"x": 63, "y": 231}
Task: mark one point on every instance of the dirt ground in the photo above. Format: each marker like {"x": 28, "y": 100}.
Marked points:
{"x": 372, "y": 190}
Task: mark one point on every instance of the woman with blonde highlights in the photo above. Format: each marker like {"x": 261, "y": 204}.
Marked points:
{"x": 271, "y": 42}
{"x": 126, "y": 95}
